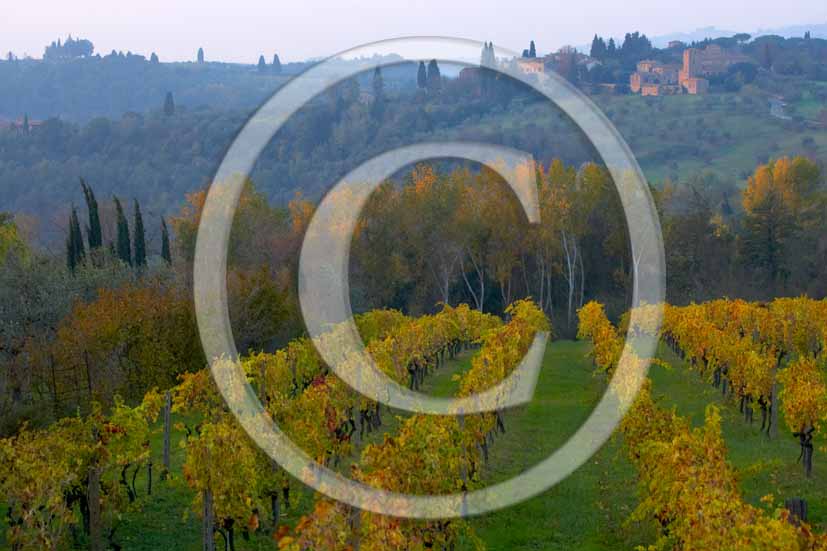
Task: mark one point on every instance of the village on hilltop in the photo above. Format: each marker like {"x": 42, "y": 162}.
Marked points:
{"x": 651, "y": 77}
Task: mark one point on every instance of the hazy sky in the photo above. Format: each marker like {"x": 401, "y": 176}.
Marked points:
{"x": 241, "y": 30}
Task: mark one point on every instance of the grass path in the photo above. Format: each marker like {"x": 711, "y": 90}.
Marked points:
{"x": 586, "y": 510}
{"x": 589, "y": 509}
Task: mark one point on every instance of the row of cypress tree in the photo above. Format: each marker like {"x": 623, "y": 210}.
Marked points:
{"x": 429, "y": 78}
{"x": 128, "y": 248}
{"x": 274, "y": 68}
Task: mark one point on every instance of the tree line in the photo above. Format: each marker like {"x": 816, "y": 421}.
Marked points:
{"x": 440, "y": 234}
{"x": 131, "y": 251}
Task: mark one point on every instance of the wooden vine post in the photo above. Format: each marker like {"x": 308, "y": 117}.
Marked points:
{"x": 208, "y": 523}
{"x": 167, "y": 429}
{"x": 93, "y": 498}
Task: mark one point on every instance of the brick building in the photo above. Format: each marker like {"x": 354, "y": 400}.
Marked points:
{"x": 654, "y": 79}
{"x": 531, "y": 66}
{"x": 657, "y": 79}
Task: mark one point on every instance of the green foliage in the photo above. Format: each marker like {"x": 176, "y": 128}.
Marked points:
{"x": 10, "y": 241}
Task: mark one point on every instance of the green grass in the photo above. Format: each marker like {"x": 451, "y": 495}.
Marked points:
{"x": 677, "y": 137}
{"x": 589, "y": 510}
{"x": 810, "y": 104}
{"x": 585, "y": 511}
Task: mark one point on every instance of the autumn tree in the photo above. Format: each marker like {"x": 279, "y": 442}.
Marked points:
{"x": 777, "y": 204}
{"x": 429, "y": 207}
{"x": 126, "y": 341}
{"x": 11, "y": 243}
{"x": 255, "y": 237}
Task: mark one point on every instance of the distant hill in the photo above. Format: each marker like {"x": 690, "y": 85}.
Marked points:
{"x": 158, "y": 159}
{"x": 818, "y": 30}
{"x": 697, "y": 35}
{"x": 80, "y": 89}
{"x": 793, "y": 31}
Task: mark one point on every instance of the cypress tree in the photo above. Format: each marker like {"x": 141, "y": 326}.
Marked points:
{"x": 169, "y": 105}
{"x": 93, "y": 230}
{"x": 378, "y": 84}
{"x": 434, "y": 76}
{"x": 153, "y": 58}
{"x": 26, "y": 123}
{"x": 75, "y": 252}
{"x": 421, "y": 75}
{"x": 139, "y": 237}
{"x": 276, "y": 64}
{"x": 611, "y": 49}
{"x": 71, "y": 259}
{"x": 80, "y": 252}
{"x": 123, "y": 247}
{"x": 262, "y": 65}
{"x": 166, "y": 253}
{"x": 378, "y": 106}
{"x": 532, "y": 51}
{"x": 488, "y": 58}
{"x": 200, "y": 55}
{"x": 598, "y": 50}
{"x": 766, "y": 57}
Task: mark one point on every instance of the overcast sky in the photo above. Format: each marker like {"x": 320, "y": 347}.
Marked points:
{"x": 241, "y": 30}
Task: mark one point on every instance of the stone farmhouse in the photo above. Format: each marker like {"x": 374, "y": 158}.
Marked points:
{"x": 656, "y": 79}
